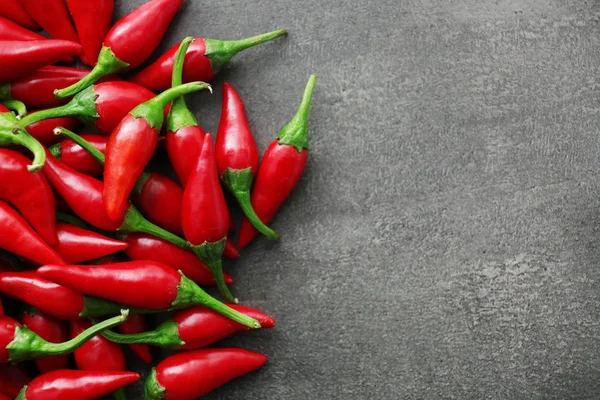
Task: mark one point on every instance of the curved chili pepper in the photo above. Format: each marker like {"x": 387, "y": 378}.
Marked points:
{"x": 192, "y": 328}
{"x": 136, "y": 323}
{"x": 237, "y": 155}
{"x": 203, "y": 60}
{"x": 17, "y": 237}
{"x": 141, "y": 284}
{"x": 12, "y": 379}
{"x": 53, "y": 299}
{"x": 69, "y": 384}
{"x": 98, "y": 353}
{"x": 52, "y": 330}
{"x": 205, "y": 216}
{"x": 22, "y": 58}
{"x": 10, "y": 30}
{"x": 75, "y": 157}
{"x": 29, "y": 193}
{"x": 18, "y": 343}
{"x": 281, "y": 167}
{"x": 53, "y": 16}
{"x": 192, "y": 374}
{"x": 13, "y": 10}
{"x": 129, "y": 42}
{"x": 43, "y": 130}
{"x": 76, "y": 245}
{"x": 92, "y": 20}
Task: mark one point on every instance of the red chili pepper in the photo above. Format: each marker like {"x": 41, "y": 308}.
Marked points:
{"x": 13, "y": 10}
{"x": 205, "y": 215}
{"x": 12, "y": 379}
{"x": 17, "y": 237}
{"x": 136, "y": 323}
{"x": 76, "y": 245}
{"x": 75, "y": 157}
{"x": 148, "y": 247}
{"x": 203, "y": 60}
{"x": 237, "y": 155}
{"x": 53, "y": 16}
{"x": 129, "y": 42}
{"x": 192, "y": 328}
{"x": 10, "y": 30}
{"x": 11, "y": 135}
{"x": 141, "y": 284}
{"x": 43, "y": 131}
{"x": 92, "y": 20}
{"x": 84, "y": 385}
{"x": 98, "y": 353}
{"x": 281, "y": 167}
{"x": 18, "y": 343}
{"x": 52, "y": 330}
{"x": 29, "y": 192}
{"x": 192, "y": 374}
{"x": 22, "y": 58}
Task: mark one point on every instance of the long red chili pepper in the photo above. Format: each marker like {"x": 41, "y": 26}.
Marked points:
{"x": 53, "y": 299}
{"x": 193, "y": 328}
{"x": 129, "y": 42}
{"x": 141, "y": 284}
{"x": 75, "y": 157}
{"x": 13, "y": 10}
{"x": 18, "y": 343}
{"x": 17, "y": 237}
{"x": 10, "y": 30}
{"x": 203, "y": 60}
{"x": 52, "y": 330}
{"x": 281, "y": 167}
{"x": 192, "y": 374}
{"x": 136, "y": 323}
{"x": 22, "y": 58}
{"x": 29, "y": 192}
{"x": 237, "y": 155}
{"x": 92, "y": 20}
{"x": 69, "y": 384}
{"x": 53, "y": 16}
{"x": 76, "y": 245}
{"x": 12, "y": 379}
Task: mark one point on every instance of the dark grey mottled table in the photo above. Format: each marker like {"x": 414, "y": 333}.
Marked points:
{"x": 444, "y": 241}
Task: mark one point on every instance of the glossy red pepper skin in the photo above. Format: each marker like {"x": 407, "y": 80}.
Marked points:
{"x": 192, "y": 374}
{"x": 98, "y": 353}
{"x": 184, "y": 147}
{"x": 76, "y": 245}
{"x": 52, "y": 330}
{"x": 147, "y": 247}
{"x": 43, "y": 130}
{"x": 53, "y": 16}
{"x": 76, "y": 158}
{"x": 70, "y": 384}
{"x": 29, "y": 192}
{"x": 159, "y": 199}
{"x": 281, "y": 167}
{"x": 92, "y": 21}
{"x": 137, "y": 323}
{"x": 13, "y": 10}
{"x": 22, "y": 58}
{"x": 17, "y": 237}
{"x": 10, "y": 30}
{"x": 12, "y": 379}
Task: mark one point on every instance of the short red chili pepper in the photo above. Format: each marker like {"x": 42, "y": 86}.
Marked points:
{"x": 92, "y": 20}
{"x": 129, "y": 42}
{"x": 205, "y": 215}
{"x": 281, "y": 167}
{"x": 22, "y": 58}
{"x": 52, "y": 330}
{"x": 29, "y": 192}
{"x": 192, "y": 374}
{"x": 53, "y": 299}
{"x": 75, "y": 157}
{"x": 136, "y": 323}
{"x": 193, "y": 328}
{"x": 10, "y": 30}
{"x": 13, "y": 10}
{"x": 43, "y": 131}
{"x": 203, "y": 60}
{"x": 237, "y": 155}
{"x": 76, "y": 245}
{"x": 69, "y": 384}
{"x": 53, "y": 16}
{"x": 17, "y": 237}
{"x": 98, "y": 353}
{"x": 18, "y": 343}
{"x": 141, "y": 284}
{"x": 12, "y": 379}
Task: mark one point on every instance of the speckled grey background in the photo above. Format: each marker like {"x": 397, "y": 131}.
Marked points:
{"x": 443, "y": 242}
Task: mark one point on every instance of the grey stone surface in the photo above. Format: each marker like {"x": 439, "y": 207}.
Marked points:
{"x": 443, "y": 242}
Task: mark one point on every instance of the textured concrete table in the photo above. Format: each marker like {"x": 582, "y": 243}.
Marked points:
{"x": 443, "y": 243}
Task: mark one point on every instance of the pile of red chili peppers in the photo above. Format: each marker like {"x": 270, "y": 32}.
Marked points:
{"x": 90, "y": 239}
